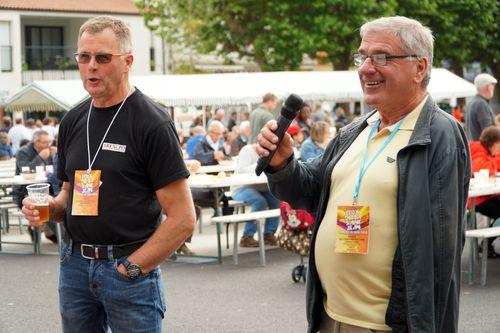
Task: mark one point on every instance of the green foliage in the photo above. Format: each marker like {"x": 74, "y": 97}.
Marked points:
{"x": 333, "y": 27}
{"x": 160, "y": 17}
{"x": 277, "y": 33}
{"x": 464, "y": 30}
{"x": 62, "y": 62}
{"x": 268, "y": 32}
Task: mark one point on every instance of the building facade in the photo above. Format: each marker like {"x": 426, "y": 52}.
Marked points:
{"x": 39, "y": 37}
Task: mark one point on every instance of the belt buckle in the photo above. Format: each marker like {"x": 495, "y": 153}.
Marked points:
{"x": 96, "y": 251}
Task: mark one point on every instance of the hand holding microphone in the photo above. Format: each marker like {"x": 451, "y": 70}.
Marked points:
{"x": 275, "y": 146}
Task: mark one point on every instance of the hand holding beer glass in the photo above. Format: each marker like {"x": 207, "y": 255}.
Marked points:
{"x": 39, "y": 197}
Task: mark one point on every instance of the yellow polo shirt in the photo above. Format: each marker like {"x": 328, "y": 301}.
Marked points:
{"x": 357, "y": 287}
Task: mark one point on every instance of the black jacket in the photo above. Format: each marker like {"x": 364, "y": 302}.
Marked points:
{"x": 204, "y": 153}
{"x": 27, "y": 156}
{"x": 433, "y": 183}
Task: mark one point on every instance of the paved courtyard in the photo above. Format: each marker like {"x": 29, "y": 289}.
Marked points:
{"x": 208, "y": 297}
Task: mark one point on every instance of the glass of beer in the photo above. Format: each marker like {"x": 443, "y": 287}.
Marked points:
{"x": 39, "y": 196}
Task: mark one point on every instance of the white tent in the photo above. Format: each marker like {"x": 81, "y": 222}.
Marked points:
{"x": 229, "y": 89}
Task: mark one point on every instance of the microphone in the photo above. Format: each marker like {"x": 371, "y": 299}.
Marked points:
{"x": 292, "y": 105}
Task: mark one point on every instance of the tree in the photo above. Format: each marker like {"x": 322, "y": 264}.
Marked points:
{"x": 170, "y": 20}
{"x": 333, "y": 27}
{"x": 277, "y": 33}
{"x": 460, "y": 28}
{"x": 489, "y": 55}
{"x": 465, "y": 31}
{"x": 267, "y": 32}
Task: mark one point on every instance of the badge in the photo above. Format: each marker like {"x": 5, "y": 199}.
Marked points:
{"x": 353, "y": 229}
{"x": 86, "y": 193}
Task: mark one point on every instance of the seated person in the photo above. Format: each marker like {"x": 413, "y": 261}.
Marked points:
{"x": 198, "y": 133}
{"x": 5, "y": 148}
{"x": 315, "y": 144}
{"x": 241, "y": 139}
{"x": 56, "y": 185}
{"x": 36, "y": 153}
{"x": 210, "y": 149}
{"x": 485, "y": 154}
{"x": 257, "y": 196}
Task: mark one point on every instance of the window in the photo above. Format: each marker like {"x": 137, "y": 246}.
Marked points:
{"x": 5, "y": 47}
{"x": 152, "y": 65}
{"x": 44, "y": 48}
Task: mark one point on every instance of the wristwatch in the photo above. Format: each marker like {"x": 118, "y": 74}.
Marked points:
{"x": 133, "y": 270}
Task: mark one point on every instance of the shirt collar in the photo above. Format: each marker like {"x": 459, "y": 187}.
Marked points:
{"x": 214, "y": 145}
{"x": 409, "y": 120}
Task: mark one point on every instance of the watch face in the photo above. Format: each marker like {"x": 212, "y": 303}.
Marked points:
{"x": 133, "y": 271}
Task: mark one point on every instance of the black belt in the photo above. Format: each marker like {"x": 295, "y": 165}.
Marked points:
{"x": 89, "y": 251}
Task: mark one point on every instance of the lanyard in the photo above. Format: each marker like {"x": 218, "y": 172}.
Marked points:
{"x": 364, "y": 165}
{"x": 105, "y": 133}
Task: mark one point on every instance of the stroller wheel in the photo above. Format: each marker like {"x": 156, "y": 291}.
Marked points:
{"x": 297, "y": 273}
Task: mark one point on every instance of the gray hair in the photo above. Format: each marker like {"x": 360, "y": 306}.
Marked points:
{"x": 216, "y": 124}
{"x": 219, "y": 110}
{"x": 119, "y": 27}
{"x": 197, "y": 130}
{"x": 38, "y": 134}
{"x": 415, "y": 38}
{"x": 244, "y": 125}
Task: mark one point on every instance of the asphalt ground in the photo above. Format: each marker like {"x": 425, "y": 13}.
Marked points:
{"x": 210, "y": 297}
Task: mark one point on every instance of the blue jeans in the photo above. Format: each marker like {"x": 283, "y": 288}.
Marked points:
{"x": 258, "y": 201}
{"x": 95, "y": 296}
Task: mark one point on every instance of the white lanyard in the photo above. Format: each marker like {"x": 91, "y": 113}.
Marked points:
{"x": 106, "y": 133}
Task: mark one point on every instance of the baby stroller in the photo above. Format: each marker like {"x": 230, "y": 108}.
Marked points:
{"x": 295, "y": 236}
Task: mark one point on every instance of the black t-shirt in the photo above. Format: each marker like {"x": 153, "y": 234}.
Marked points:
{"x": 143, "y": 157}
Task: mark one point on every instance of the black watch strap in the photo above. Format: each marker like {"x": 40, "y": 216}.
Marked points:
{"x": 133, "y": 270}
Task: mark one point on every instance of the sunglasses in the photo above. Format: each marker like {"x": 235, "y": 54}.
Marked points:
{"x": 101, "y": 58}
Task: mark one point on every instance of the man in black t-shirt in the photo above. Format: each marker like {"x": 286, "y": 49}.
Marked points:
{"x": 121, "y": 164}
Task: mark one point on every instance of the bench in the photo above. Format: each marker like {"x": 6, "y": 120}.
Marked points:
{"x": 236, "y": 219}
{"x": 483, "y": 234}
{"x": 239, "y": 206}
{"x": 37, "y": 240}
{"x": 4, "y": 215}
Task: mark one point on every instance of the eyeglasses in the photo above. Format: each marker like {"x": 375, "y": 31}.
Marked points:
{"x": 378, "y": 59}
{"x": 101, "y": 58}
{"x": 217, "y": 133}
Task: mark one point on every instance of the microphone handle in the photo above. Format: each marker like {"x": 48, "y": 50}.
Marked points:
{"x": 263, "y": 162}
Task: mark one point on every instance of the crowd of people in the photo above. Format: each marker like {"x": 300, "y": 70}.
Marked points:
{"x": 312, "y": 131}
{"x": 33, "y": 144}
{"x": 223, "y": 138}
{"x": 22, "y": 132}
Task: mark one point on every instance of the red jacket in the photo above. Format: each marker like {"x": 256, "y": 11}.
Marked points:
{"x": 482, "y": 159}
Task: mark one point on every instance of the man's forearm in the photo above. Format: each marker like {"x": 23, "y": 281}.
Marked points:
{"x": 175, "y": 199}
{"x": 164, "y": 241}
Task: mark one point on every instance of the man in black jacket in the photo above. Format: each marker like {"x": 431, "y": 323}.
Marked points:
{"x": 389, "y": 195}
{"x": 36, "y": 153}
{"x": 210, "y": 149}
